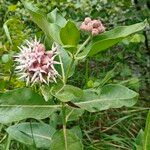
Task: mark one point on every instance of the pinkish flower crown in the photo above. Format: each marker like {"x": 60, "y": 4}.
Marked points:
{"x": 35, "y": 64}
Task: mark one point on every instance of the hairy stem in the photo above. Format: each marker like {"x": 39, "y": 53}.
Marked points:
{"x": 87, "y": 71}
{"x": 68, "y": 69}
{"x": 62, "y": 69}
{"x": 64, "y": 125}
{"x": 8, "y": 143}
{"x": 83, "y": 45}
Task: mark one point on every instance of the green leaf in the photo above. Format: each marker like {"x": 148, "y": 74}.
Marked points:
{"x": 70, "y": 48}
{"x": 107, "y": 77}
{"x": 45, "y": 91}
{"x": 50, "y": 29}
{"x": 68, "y": 93}
{"x": 139, "y": 140}
{"x": 57, "y": 18}
{"x": 24, "y": 103}
{"x": 66, "y": 60}
{"x": 72, "y": 114}
{"x": 5, "y": 27}
{"x": 110, "y": 96}
{"x": 39, "y": 134}
{"x": 73, "y": 141}
{"x": 70, "y": 34}
{"x": 5, "y": 58}
{"x": 12, "y": 8}
{"x": 137, "y": 38}
{"x": 132, "y": 83}
{"x": 109, "y": 38}
{"x": 146, "y": 145}
{"x": 77, "y": 130}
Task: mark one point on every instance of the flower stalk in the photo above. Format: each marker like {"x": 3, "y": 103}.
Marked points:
{"x": 64, "y": 124}
{"x": 82, "y": 46}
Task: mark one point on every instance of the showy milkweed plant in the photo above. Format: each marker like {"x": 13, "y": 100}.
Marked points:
{"x": 48, "y": 94}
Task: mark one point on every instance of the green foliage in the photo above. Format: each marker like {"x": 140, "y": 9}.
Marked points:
{"x": 73, "y": 141}
{"x": 45, "y": 91}
{"x": 68, "y": 93}
{"x": 146, "y": 145}
{"x": 66, "y": 62}
{"x": 70, "y": 34}
{"x": 23, "y": 103}
{"x": 107, "y": 89}
{"x": 139, "y": 140}
{"x": 110, "y": 96}
{"x": 55, "y": 17}
{"x": 33, "y": 134}
{"x": 110, "y": 38}
{"x": 143, "y": 137}
{"x": 50, "y": 29}
{"x": 7, "y": 31}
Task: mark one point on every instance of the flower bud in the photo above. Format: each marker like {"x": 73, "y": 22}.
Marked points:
{"x": 101, "y": 29}
{"x": 83, "y": 26}
{"x": 89, "y": 27}
{"x": 93, "y": 26}
{"x": 95, "y": 32}
{"x": 87, "y": 20}
{"x": 96, "y": 23}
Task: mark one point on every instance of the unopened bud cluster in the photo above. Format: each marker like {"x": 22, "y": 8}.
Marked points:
{"x": 94, "y": 26}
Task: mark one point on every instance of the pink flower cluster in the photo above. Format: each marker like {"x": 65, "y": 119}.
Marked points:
{"x": 94, "y": 26}
{"x": 35, "y": 64}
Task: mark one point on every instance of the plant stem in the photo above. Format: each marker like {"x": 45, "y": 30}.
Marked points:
{"x": 64, "y": 124}
{"x": 64, "y": 78}
{"x": 83, "y": 45}
{"x": 11, "y": 74}
{"x": 8, "y": 143}
{"x": 87, "y": 71}
{"x": 62, "y": 69}
{"x": 68, "y": 69}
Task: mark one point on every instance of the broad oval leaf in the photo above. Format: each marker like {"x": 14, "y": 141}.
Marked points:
{"x": 73, "y": 141}
{"x": 36, "y": 134}
{"x": 109, "y": 38}
{"x": 68, "y": 93}
{"x": 50, "y": 29}
{"x": 24, "y": 103}
{"x": 146, "y": 145}
{"x": 55, "y": 17}
{"x": 66, "y": 61}
{"x": 70, "y": 34}
{"x": 111, "y": 96}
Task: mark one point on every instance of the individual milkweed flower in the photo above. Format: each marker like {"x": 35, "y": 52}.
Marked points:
{"x": 95, "y": 32}
{"x": 35, "y": 64}
{"x": 95, "y": 27}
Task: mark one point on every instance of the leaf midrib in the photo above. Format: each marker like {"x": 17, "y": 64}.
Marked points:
{"x": 97, "y": 100}
{"x": 32, "y": 106}
{"x": 38, "y": 135}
